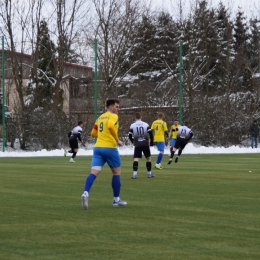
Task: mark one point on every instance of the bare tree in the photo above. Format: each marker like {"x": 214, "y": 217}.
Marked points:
{"x": 66, "y": 20}
{"x": 113, "y": 29}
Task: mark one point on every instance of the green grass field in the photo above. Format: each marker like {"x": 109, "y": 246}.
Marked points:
{"x": 203, "y": 207}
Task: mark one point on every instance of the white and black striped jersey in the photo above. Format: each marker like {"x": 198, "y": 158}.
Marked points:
{"x": 184, "y": 132}
{"x": 139, "y": 132}
{"x": 76, "y": 133}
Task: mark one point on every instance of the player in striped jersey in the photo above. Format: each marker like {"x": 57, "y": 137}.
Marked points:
{"x": 160, "y": 130}
{"x": 183, "y": 137}
{"x": 141, "y": 135}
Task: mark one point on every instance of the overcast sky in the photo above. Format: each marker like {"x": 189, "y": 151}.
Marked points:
{"x": 247, "y": 6}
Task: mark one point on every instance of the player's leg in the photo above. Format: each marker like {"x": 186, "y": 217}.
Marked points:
{"x": 160, "y": 147}
{"x": 114, "y": 162}
{"x": 182, "y": 146}
{"x": 147, "y": 154}
{"x": 173, "y": 141}
{"x": 174, "y": 149}
{"x": 135, "y": 168}
{"x": 137, "y": 156}
{"x": 96, "y": 166}
{"x": 74, "y": 149}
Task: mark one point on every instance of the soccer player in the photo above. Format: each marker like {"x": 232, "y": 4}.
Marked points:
{"x": 141, "y": 135}
{"x": 105, "y": 151}
{"x": 183, "y": 137}
{"x": 160, "y": 130}
{"x": 173, "y": 134}
{"x": 74, "y": 135}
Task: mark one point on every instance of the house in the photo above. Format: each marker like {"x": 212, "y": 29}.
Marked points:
{"x": 76, "y": 85}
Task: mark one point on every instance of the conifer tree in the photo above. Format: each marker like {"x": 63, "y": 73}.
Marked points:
{"x": 42, "y": 78}
{"x": 241, "y": 64}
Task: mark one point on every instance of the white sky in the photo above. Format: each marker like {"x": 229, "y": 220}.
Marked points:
{"x": 247, "y": 6}
{"x": 189, "y": 149}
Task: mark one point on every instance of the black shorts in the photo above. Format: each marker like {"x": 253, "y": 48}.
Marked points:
{"x": 180, "y": 143}
{"x": 73, "y": 143}
{"x": 142, "y": 149}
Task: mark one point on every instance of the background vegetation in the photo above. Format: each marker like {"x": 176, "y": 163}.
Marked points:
{"x": 138, "y": 62}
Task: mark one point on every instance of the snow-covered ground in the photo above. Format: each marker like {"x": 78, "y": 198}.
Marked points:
{"x": 127, "y": 150}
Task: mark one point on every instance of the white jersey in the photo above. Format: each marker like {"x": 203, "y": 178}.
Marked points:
{"x": 76, "y": 133}
{"x": 184, "y": 132}
{"x": 139, "y": 130}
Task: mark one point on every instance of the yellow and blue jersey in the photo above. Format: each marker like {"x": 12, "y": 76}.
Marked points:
{"x": 174, "y": 131}
{"x": 106, "y": 130}
{"x": 159, "y": 128}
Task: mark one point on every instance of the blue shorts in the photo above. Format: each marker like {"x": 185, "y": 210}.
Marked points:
{"x": 160, "y": 146}
{"x": 106, "y": 155}
{"x": 173, "y": 141}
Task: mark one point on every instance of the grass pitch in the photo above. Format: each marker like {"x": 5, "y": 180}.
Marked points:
{"x": 203, "y": 207}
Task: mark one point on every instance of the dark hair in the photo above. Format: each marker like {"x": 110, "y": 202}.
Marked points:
{"x": 80, "y": 123}
{"x": 255, "y": 121}
{"x": 186, "y": 123}
{"x": 138, "y": 115}
{"x": 110, "y": 102}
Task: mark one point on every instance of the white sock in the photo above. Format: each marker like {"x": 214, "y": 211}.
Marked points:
{"x": 85, "y": 193}
{"x": 116, "y": 199}
{"x": 134, "y": 173}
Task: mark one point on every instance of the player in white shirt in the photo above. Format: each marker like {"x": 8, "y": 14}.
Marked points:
{"x": 183, "y": 137}
{"x": 141, "y": 135}
{"x": 74, "y": 135}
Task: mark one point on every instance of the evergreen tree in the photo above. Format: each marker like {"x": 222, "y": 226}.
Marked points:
{"x": 224, "y": 48}
{"x": 42, "y": 78}
{"x": 241, "y": 65}
{"x": 253, "y": 46}
{"x": 143, "y": 45}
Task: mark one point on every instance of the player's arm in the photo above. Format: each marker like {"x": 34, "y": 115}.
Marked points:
{"x": 190, "y": 136}
{"x": 94, "y": 131}
{"x": 79, "y": 135}
{"x": 150, "y": 132}
{"x": 166, "y": 133}
{"x": 130, "y": 136}
{"x": 111, "y": 127}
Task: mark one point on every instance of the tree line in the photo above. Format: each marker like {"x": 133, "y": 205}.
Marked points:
{"x": 138, "y": 62}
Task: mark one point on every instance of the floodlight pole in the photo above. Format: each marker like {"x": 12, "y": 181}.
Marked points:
{"x": 180, "y": 82}
{"x": 3, "y": 96}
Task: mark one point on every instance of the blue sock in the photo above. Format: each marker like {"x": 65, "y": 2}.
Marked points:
{"x": 171, "y": 150}
{"x": 89, "y": 181}
{"x": 116, "y": 185}
{"x": 159, "y": 158}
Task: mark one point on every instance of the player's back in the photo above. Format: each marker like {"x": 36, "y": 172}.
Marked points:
{"x": 105, "y": 139}
{"x": 140, "y": 133}
{"x": 159, "y": 127}
{"x": 184, "y": 132}
{"x": 75, "y": 132}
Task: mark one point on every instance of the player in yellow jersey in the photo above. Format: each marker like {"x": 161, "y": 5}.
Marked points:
{"x": 173, "y": 134}
{"x": 105, "y": 151}
{"x": 160, "y": 130}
